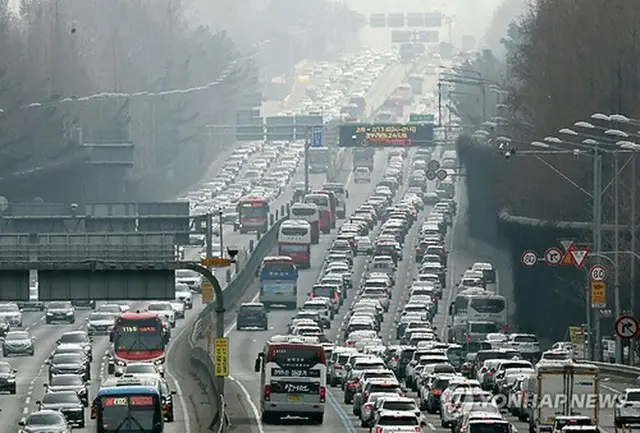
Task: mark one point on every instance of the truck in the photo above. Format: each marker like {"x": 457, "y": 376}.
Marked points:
{"x": 363, "y": 157}
{"x": 563, "y": 389}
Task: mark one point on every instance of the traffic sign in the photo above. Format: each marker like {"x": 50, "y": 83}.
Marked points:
{"x": 626, "y": 327}
{"x": 417, "y": 117}
{"x": 206, "y": 290}
{"x": 598, "y": 273}
{"x": 316, "y": 137}
{"x": 579, "y": 256}
{"x": 553, "y": 256}
{"x": 433, "y": 165}
{"x": 221, "y": 357}
{"x": 215, "y": 262}
{"x": 529, "y": 258}
{"x": 442, "y": 174}
{"x": 566, "y": 243}
{"x": 431, "y": 175}
{"x": 598, "y": 294}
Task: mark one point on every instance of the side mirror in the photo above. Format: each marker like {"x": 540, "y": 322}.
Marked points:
{"x": 47, "y": 361}
{"x": 257, "y": 365}
{"x": 88, "y": 382}
{"x": 58, "y": 341}
{"x": 46, "y": 385}
{"x": 173, "y": 392}
{"x": 38, "y": 402}
{"x": 21, "y": 423}
{"x": 14, "y": 371}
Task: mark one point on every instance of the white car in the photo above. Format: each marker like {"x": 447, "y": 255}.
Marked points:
{"x": 11, "y": 314}
{"x": 362, "y": 175}
{"x": 183, "y": 294}
{"x": 191, "y": 278}
{"x": 178, "y": 308}
{"x": 164, "y": 309}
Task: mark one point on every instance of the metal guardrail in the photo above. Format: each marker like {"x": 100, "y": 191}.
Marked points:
{"x": 621, "y": 371}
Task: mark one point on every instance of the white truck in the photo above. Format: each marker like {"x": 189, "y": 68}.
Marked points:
{"x": 563, "y": 389}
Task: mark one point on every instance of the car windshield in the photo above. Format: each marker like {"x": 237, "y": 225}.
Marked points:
{"x": 8, "y": 308}
{"x": 399, "y": 405}
{"x": 66, "y": 380}
{"x": 165, "y": 306}
{"x": 141, "y": 369}
{"x": 66, "y": 358}
{"x": 398, "y": 420}
{"x": 5, "y": 368}
{"x": 252, "y": 309}
{"x": 59, "y": 306}
{"x": 489, "y": 427}
{"x": 45, "y": 419}
{"x": 114, "y": 309}
{"x": 100, "y": 315}
{"x": 60, "y": 397}
{"x": 74, "y": 338}
{"x": 16, "y": 336}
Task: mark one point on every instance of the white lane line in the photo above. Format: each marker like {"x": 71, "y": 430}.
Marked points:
{"x": 183, "y": 402}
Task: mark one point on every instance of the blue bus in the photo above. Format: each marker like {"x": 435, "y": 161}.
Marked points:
{"x": 279, "y": 282}
{"x": 128, "y": 409}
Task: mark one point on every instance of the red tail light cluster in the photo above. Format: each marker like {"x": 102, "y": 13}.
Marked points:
{"x": 505, "y": 328}
{"x": 267, "y": 392}
{"x": 418, "y": 429}
{"x": 323, "y": 394}
{"x": 379, "y": 430}
{"x": 437, "y": 392}
{"x": 94, "y": 411}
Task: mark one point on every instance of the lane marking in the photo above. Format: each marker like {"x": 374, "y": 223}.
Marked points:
{"x": 183, "y": 402}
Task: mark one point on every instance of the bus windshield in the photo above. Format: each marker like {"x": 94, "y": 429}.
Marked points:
{"x": 279, "y": 270}
{"x": 303, "y": 211}
{"x": 318, "y": 200}
{"x": 136, "y": 413}
{"x": 294, "y": 231}
{"x": 138, "y": 335}
{"x": 296, "y": 356}
{"x": 252, "y": 210}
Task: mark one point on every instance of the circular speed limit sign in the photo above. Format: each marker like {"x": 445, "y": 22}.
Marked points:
{"x": 529, "y": 258}
{"x": 598, "y": 273}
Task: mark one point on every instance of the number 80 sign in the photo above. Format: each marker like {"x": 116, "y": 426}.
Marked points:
{"x": 529, "y": 258}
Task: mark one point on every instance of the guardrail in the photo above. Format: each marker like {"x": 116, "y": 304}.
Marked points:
{"x": 201, "y": 363}
{"x": 618, "y": 370}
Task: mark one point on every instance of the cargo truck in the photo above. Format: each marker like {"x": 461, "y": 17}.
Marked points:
{"x": 563, "y": 389}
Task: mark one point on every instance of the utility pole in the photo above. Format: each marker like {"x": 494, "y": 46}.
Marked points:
{"x": 593, "y": 332}
{"x": 307, "y": 144}
{"x": 632, "y": 224}
{"x": 439, "y": 103}
{"x": 616, "y": 248}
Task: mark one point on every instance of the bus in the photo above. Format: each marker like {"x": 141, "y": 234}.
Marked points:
{"x": 139, "y": 336}
{"x": 341, "y": 194}
{"x": 323, "y": 203}
{"x": 253, "y": 214}
{"x": 319, "y": 159}
{"x": 278, "y": 282}
{"x": 294, "y": 240}
{"x": 476, "y": 305}
{"x": 130, "y": 409}
{"x": 293, "y": 378}
{"x": 333, "y": 205}
{"x": 308, "y": 212}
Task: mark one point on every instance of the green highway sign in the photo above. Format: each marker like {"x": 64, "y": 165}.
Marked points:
{"x": 416, "y": 117}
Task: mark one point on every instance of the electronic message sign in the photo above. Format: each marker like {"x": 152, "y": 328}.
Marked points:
{"x": 386, "y": 134}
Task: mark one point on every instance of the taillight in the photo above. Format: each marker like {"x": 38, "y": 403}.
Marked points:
{"x": 352, "y": 384}
{"x": 505, "y": 328}
{"x": 379, "y": 430}
{"x": 323, "y": 394}
{"x": 490, "y": 373}
{"x": 337, "y": 367}
{"x": 418, "y": 430}
{"x": 469, "y": 337}
{"x": 366, "y": 396}
{"x": 267, "y": 392}
{"x": 165, "y": 407}
{"x": 94, "y": 412}
{"x": 436, "y": 392}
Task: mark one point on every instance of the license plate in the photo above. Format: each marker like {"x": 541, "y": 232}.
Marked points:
{"x": 295, "y": 398}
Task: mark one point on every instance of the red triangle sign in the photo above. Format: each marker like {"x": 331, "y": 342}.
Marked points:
{"x": 579, "y": 256}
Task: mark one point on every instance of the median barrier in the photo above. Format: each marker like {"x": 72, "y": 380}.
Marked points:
{"x": 618, "y": 370}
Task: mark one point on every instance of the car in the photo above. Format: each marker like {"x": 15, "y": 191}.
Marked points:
{"x": 100, "y": 323}
{"x": 69, "y": 382}
{"x": 4, "y": 328}
{"x": 165, "y": 310}
{"x": 60, "y": 311}
{"x": 364, "y": 246}
{"x": 50, "y": 421}
{"x": 184, "y": 295}
{"x": 7, "y": 378}
{"x": 252, "y": 315}
{"x": 191, "y": 278}
{"x": 84, "y": 303}
{"x": 80, "y": 338}
{"x": 68, "y": 363}
{"x": 362, "y": 175}
{"x": 33, "y": 303}
{"x": 627, "y": 409}
{"x": 10, "y": 313}
{"x": 18, "y": 343}
{"x": 67, "y": 403}
{"x": 142, "y": 369}
{"x": 178, "y": 308}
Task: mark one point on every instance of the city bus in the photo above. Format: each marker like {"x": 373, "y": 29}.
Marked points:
{"x": 130, "y": 409}
{"x": 138, "y": 336}
{"x": 323, "y": 202}
{"x": 278, "y": 282}
{"x": 294, "y": 240}
{"x": 476, "y": 305}
{"x": 293, "y": 378}
{"x": 341, "y": 194}
{"x": 253, "y": 214}
{"x": 308, "y": 212}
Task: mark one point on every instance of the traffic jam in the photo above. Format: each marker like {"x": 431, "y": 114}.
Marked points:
{"x": 365, "y": 338}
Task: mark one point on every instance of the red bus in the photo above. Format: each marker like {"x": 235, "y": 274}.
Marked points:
{"x": 253, "y": 214}
{"x": 323, "y": 203}
{"x": 139, "y": 336}
{"x": 333, "y": 202}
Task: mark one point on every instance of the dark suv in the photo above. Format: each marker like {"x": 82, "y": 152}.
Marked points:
{"x": 252, "y": 315}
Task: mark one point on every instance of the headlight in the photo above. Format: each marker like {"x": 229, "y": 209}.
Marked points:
{"x": 11, "y": 379}
{"x": 49, "y": 313}
{"x": 159, "y": 361}
{"x": 121, "y": 363}
{"x": 69, "y": 313}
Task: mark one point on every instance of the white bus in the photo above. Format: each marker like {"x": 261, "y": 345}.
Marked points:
{"x": 293, "y": 378}
{"x": 294, "y": 240}
{"x": 310, "y": 213}
{"x": 476, "y": 306}
{"x": 341, "y": 194}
